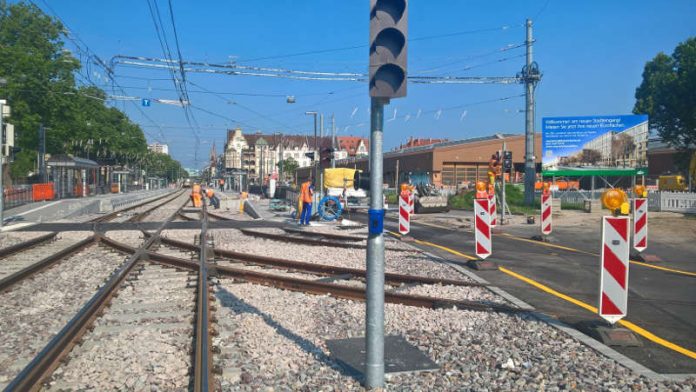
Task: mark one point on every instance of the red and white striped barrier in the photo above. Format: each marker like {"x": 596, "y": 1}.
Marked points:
{"x": 405, "y": 206}
{"x": 492, "y": 211}
{"x": 482, "y": 232}
{"x": 613, "y": 294}
{"x": 640, "y": 224}
{"x": 546, "y": 220}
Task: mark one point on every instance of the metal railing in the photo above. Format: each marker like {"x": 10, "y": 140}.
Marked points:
{"x": 684, "y": 202}
{"x": 17, "y": 195}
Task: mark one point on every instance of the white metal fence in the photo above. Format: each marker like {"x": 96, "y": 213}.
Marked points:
{"x": 684, "y": 202}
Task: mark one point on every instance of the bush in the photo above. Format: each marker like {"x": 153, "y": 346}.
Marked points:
{"x": 514, "y": 196}
{"x": 392, "y": 197}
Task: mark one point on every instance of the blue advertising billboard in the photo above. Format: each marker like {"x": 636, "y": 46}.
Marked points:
{"x": 594, "y": 143}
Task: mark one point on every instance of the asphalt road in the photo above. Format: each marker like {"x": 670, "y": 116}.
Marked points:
{"x": 664, "y": 303}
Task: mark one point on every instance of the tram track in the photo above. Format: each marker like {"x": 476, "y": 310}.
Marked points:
{"x": 43, "y": 365}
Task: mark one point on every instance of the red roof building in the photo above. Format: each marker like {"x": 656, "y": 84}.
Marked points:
{"x": 417, "y": 142}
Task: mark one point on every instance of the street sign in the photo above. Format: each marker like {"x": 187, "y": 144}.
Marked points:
{"x": 404, "y": 212}
{"x": 613, "y": 292}
{"x": 482, "y": 232}
{"x": 546, "y": 219}
{"x": 146, "y": 102}
{"x": 640, "y": 224}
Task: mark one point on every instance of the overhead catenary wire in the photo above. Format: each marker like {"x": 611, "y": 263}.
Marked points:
{"x": 82, "y": 47}
{"x": 361, "y": 46}
{"x": 310, "y": 75}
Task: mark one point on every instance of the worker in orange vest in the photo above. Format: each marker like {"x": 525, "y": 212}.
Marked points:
{"x": 214, "y": 201}
{"x": 493, "y": 168}
{"x": 196, "y": 195}
{"x": 306, "y": 195}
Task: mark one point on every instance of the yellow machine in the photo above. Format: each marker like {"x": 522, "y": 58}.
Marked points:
{"x": 679, "y": 183}
{"x": 672, "y": 183}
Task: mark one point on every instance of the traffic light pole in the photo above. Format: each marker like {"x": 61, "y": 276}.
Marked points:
{"x": 374, "y": 327}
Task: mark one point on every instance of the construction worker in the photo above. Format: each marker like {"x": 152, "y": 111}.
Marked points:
{"x": 214, "y": 201}
{"x": 493, "y": 168}
{"x": 196, "y": 195}
{"x": 306, "y": 195}
{"x": 221, "y": 182}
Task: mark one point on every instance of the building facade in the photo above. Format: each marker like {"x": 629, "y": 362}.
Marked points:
{"x": 451, "y": 164}
{"x": 259, "y": 154}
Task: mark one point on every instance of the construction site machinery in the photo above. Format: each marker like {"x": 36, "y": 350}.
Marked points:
{"x": 426, "y": 197}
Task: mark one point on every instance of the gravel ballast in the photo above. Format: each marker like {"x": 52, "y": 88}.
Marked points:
{"x": 35, "y": 309}
{"x": 276, "y": 339}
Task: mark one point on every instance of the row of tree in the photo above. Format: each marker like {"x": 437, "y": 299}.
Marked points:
{"x": 668, "y": 95}
{"x": 40, "y": 85}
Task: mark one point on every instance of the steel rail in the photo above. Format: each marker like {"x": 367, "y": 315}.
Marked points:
{"x": 24, "y": 273}
{"x": 340, "y": 237}
{"x": 335, "y": 290}
{"x": 322, "y": 269}
{"x": 219, "y": 217}
{"x": 185, "y": 217}
{"x": 114, "y": 214}
{"x": 358, "y": 294}
{"x": 140, "y": 216}
{"x": 321, "y": 288}
{"x": 311, "y": 241}
{"x": 4, "y": 252}
{"x": 48, "y": 359}
{"x": 203, "y": 357}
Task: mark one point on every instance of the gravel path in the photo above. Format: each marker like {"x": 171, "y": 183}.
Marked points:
{"x": 35, "y": 309}
{"x": 142, "y": 342}
{"x": 275, "y": 339}
{"x": 23, "y": 259}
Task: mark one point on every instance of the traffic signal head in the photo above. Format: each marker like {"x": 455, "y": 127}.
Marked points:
{"x": 507, "y": 161}
{"x": 388, "y": 48}
{"x": 361, "y": 180}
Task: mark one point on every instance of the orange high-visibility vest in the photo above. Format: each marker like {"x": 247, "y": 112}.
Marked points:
{"x": 209, "y": 192}
{"x": 306, "y": 192}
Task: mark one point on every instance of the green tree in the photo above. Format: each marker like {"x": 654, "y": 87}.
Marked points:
{"x": 668, "y": 95}
{"x": 288, "y": 166}
{"x": 41, "y": 89}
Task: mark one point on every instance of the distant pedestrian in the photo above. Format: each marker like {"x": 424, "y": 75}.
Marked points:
{"x": 306, "y": 195}
{"x": 221, "y": 182}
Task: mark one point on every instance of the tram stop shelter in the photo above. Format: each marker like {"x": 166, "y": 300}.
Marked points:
{"x": 72, "y": 176}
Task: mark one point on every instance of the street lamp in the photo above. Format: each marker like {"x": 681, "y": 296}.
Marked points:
{"x": 316, "y": 146}
{"x": 281, "y": 159}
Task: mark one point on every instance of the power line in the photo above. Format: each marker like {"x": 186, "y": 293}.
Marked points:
{"x": 79, "y": 43}
{"x": 351, "y": 47}
{"x": 233, "y": 69}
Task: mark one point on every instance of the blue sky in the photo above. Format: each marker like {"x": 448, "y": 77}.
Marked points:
{"x": 591, "y": 54}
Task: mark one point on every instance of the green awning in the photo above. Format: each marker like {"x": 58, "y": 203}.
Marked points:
{"x": 595, "y": 171}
